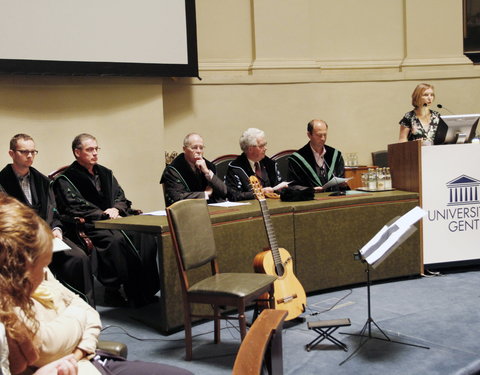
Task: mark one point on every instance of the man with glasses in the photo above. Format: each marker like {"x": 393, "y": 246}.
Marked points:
{"x": 89, "y": 190}
{"x": 251, "y": 162}
{"x": 23, "y": 182}
{"x": 191, "y": 176}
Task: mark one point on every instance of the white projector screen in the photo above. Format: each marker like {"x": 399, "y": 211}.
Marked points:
{"x": 120, "y": 37}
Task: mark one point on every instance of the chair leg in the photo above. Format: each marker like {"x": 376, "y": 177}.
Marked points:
{"x": 241, "y": 320}
{"x": 271, "y": 298}
{"x": 216, "y": 324}
{"x": 188, "y": 333}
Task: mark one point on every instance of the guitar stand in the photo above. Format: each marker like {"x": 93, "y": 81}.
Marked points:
{"x": 325, "y": 328}
{"x": 368, "y": 324}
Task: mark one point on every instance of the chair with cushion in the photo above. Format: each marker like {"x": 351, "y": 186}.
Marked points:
{"x": 194, "y": 245}
{"x": 221, "y": 164}
{"x": 380, "y": 158}
{"x": 282, "y": 160}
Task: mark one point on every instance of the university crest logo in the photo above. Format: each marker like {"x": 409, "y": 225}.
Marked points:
{"x": 463, "y": 190}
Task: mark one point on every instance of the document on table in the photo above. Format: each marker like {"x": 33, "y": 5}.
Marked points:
{"x": 59, "y": 245}
{"x": 334, "y": 181}
{"x": 229, "y": 204}
{"x": 156, "y": 213}
{"x": 390, "y": 237}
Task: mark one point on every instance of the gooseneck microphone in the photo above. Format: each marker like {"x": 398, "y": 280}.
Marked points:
{"x": 441, "y": 106}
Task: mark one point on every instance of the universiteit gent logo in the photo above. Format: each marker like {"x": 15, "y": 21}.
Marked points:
{"x": 463, "y": 190}
{"x": 461, "y": 212}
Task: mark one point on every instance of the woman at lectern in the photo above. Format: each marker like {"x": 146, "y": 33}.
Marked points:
{"x": 421, "y": 122}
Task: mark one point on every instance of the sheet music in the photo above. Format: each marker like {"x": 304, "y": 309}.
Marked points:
{"x": 390, "y": 237}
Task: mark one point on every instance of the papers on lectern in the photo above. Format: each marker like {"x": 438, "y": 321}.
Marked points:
{"x": 59, "y": 245}
{"x": 390, "y": 237}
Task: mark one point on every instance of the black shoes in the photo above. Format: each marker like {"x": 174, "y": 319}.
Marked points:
{"x": 113, "y": 297}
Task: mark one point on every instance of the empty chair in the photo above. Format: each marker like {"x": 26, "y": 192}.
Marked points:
{"x": 380, "y": 158}
{"x": 194, "y": 245}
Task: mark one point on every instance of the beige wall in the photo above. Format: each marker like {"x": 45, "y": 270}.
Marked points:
{"x": 272, "y": 64}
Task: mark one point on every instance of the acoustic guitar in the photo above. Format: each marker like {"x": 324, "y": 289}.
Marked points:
{"x": 289, "y": 294}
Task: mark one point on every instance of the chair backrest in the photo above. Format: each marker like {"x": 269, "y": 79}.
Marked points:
{"x": 282, "y": 160}
{"x": 259, "y": 341}
{"x": 380, "y": 158}
{"x": 221, "y": 164}
{"x": 192, "y": 233}
{"x": 57, "y": 172}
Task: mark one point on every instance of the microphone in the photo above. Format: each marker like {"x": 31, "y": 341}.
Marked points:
{"x": 441, "y": 106}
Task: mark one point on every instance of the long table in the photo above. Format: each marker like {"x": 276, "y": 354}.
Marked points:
{"x": 321, "y": 235}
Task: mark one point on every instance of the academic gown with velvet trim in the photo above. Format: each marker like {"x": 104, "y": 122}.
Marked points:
{"x": 238, "y": 172}
{"x": 122, "y": 260}
{"x": 180, "y": 182}
{"x": 299, "y": 175}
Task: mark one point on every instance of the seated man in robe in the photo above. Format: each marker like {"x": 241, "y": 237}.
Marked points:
{"x": 90, "y": 190}
{"x": 23, "y": 182}
{"x": 191, "y": 176}
{"x": 316, "y": 163}
{"x": 252, "y": 161}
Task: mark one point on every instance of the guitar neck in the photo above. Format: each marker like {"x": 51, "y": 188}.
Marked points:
{"x": 272, "y": 240}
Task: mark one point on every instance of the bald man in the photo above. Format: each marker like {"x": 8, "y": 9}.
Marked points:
{"x": 316, "y": 163}
{"x": 191, "y": 176}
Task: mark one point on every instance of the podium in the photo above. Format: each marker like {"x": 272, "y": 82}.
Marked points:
{"x": 447, "y": 178}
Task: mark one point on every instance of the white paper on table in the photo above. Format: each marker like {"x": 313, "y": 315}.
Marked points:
{"x": 281, "y": 185}
{"x": 59, "y": 245}
{"x": 156, "y": 213}
{"x": 229, "y": 204}
{"x": 390, "y": 237}
{"x": 334, "y": 181}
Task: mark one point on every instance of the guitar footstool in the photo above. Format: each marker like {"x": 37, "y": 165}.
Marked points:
{"x": 325, "y": 328}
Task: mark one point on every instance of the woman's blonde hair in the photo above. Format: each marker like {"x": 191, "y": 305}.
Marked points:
{"x": 24, "y": 237}
{"x": 418, "y": 92}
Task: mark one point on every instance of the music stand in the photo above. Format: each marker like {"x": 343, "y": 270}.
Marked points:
{"x": 372, "y": 254}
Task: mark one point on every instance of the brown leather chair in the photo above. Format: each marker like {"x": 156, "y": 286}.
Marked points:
{"x": 194, "y": 244}
{"x": 380, "y": 158}
{"x": 221, "y": 164}
{"x": 282, "y": 160}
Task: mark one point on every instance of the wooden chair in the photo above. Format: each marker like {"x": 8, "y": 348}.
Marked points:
{"x": 221, "y": 164}
{"x": 194, "y": 245}
{"x": 263, "y": 344}
{"x": 282, "y": 160}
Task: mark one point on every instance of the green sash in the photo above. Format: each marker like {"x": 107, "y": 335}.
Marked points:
{"x": 302, "y": 163}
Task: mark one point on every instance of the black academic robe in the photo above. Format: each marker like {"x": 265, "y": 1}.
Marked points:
{"x": 72, "y": 267}
{"x": 180, "y": 182}
{"x": 306, "y": 174}
{"x": 238, "y": 172}
{"x": 127, "y": 259}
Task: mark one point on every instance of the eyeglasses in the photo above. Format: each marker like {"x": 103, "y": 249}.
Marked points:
{"x": 196, "y": 148}
{"x": 27, "y": 152}
{"x": 92, "y": 149}
{"x": 263, "y": 145}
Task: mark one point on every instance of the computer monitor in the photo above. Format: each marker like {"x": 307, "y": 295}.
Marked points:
{"x": 456, "y": 129}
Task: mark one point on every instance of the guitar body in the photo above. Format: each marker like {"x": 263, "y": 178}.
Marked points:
{"x": 289, "y": 294}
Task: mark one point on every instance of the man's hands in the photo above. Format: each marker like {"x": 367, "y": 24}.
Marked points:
{"x": 112, "y": 213}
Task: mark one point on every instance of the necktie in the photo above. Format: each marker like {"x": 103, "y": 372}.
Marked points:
{"x": 258, "y": 170}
